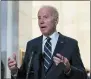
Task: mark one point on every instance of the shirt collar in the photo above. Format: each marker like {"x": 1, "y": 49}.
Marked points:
{"x": 53, "y": 36}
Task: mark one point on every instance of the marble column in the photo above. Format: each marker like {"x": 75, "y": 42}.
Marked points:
{"x": 9, "y": 32}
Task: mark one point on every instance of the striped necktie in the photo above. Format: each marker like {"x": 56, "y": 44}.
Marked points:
{"x": 47, "y": 54}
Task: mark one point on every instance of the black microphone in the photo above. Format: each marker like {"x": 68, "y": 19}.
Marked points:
{"x": 29, "y": 64}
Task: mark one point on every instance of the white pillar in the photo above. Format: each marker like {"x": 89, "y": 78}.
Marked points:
{"x": 3, "y": 30}
{"x": 0, "y": 41}
{"x": 9, "y": 32}
{"x": 9, "y": 35}
{"x": 12, "y": 31}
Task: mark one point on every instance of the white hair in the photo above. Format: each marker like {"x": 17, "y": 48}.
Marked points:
{"x": 54, "y": 10}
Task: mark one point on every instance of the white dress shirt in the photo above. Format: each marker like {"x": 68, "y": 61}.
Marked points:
{"x": 54, "y": 39}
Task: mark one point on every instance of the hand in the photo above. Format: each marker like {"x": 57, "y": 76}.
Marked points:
{"x": 59, "y": 58}
{"x": 12, "y": 64}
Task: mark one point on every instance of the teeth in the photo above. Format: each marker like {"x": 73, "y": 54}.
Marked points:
{"x": 42, "y": 27}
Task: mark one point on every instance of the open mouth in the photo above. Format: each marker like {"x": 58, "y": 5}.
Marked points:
{"x": 42, "y": 27}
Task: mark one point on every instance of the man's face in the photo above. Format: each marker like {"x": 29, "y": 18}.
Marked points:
{"x": 46, "y": 21}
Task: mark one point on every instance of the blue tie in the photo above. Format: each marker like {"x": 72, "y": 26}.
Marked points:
{"x": 47, "y": 54}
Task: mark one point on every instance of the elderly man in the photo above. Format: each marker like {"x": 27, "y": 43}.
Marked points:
{"x": 50, "y": 56}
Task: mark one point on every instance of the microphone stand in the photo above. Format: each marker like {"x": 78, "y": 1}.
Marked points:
{"x": 29, "y": 64}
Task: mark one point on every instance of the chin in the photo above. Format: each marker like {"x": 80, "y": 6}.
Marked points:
{"x": 46, "y": 34}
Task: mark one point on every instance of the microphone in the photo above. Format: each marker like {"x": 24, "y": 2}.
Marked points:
{"x": 29, "y": 64}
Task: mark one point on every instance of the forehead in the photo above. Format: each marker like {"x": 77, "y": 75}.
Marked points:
{"x": 45, "y": 11}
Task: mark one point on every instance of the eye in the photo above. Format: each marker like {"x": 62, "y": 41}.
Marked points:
{"x": 39, "y": 17}
{"x": 45, "y": 17}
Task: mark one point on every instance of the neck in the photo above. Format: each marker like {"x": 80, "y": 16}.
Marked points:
{"x": 47, "y": 35}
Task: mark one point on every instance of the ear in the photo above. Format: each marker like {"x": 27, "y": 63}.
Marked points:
{"x": 56, "y": 21}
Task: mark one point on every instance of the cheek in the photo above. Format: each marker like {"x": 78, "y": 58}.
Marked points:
{"x": 38, "y": 23}
{"x": 52, "y": 22}
{"x": 49, "y": 22}
{"x": 51, "y": 25}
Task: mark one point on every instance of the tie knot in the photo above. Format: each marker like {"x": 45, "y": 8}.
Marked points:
{"x": 48, "y": 38}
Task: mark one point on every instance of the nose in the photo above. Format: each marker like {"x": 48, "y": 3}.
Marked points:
{"x": 41, "y": 21}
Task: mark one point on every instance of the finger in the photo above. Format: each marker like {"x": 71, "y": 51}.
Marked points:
{"x": 11, "y": 60}
{"x": 14, "y": 56}
{"x": 12, "y": 67}
{"x": 60, "y": 56}
{"x": 56, "y": 62}
{"x": 12, "y": 64}
{"x": 65, "y": 61}
{"x": 56, "y": 59}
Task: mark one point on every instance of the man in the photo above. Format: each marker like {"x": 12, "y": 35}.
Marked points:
{"x": 52, "y": 55}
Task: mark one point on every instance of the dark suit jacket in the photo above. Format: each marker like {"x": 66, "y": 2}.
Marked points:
{"x": 66, "y": 46}
{"x": 2, "y": 70}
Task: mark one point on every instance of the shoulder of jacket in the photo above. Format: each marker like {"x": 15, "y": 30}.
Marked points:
{"x": 34, "y": 40}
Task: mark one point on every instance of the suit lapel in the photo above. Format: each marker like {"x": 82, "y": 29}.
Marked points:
{"x": 41, "y": 72}
{"x": 58, "y": 49}
{"x": 38, "y": 59}
{"x": 59, "y": 45}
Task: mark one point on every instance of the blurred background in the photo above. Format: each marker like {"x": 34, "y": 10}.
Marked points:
{"x": 19, "y": 25}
